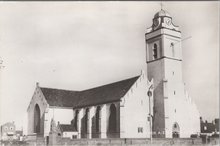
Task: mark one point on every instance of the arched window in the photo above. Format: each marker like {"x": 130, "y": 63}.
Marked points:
{"x": 112, "y": 119}
{"x": 97, "y": 118}
{"x": 76, "y": 120}
{"x": 173, "y": 51}
{"x": 36, "y": 119}
{"x": 87, "y": 120}
{"x": 155, "y": 51}
{"x": 176, "y": 130}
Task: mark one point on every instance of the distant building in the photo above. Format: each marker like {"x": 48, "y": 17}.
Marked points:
{"x": 129, "y": 108}
{"x": 67, "y": 131}
{"x": 217, "y": 124}
{"x": 209, "y": 128}
{"x": 19, "y": 134}
{"x": 8, "y": 131}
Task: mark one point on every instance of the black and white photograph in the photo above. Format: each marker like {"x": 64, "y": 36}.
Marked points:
{"x": 122, "y": 73}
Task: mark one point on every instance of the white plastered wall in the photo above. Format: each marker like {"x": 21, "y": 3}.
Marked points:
{"x": 179, "y": 107}
{"x": 37, "y": 98}
{"x": 134, "y": 110}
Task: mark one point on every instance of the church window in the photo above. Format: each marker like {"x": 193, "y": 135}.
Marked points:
{"x": 97, "y": 117}
{"x": 140, "y": 129}
{"x": 155, "y": 51}
{"x": 112, "y": 119}
{"x": 6, "y": 128}
{"x": 141, "y": 102}
{"x": 36, "y": 119}
{"x": 174, "y": 92}
{"x": 173, "y": 72}
{"x": 76, "y": 120}
{"x": 172, "y": 47}
{"x": 86, "y": 120}
{"x": 11, "y": 128}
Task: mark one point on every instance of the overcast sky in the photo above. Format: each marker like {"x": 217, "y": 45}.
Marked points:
{"x": 79, "y": 45}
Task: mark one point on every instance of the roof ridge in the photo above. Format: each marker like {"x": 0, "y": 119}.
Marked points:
{"x": 59, "y": 89}
{"x": 110, "y": 83}
{"x": 92, "y": 87}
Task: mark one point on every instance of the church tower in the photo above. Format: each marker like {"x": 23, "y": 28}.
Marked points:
{"x": 164, "y": 65}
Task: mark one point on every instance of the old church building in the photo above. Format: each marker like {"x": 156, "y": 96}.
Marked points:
{"x": 154, "y": 102}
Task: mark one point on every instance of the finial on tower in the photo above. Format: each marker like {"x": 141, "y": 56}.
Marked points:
{"x": 161, "y": 5}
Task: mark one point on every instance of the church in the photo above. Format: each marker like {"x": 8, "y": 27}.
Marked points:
{"x": 153, "y": 103}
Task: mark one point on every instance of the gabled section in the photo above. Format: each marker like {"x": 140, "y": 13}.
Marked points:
{"x": 37, "y": 97}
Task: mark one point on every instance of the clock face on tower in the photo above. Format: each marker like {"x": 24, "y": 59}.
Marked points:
{"x": 168, "y": 21}
{"x": 156, "y": 23}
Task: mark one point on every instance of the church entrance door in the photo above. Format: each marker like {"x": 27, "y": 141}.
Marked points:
{"x": 176, "y": 130}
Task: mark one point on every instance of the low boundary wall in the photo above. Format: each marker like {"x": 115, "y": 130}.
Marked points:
{"x": 59, "y": 141}
{"x": 137, "y": 142}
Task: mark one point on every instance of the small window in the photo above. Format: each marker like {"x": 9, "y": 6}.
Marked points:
{"x": 140, "y": 129}
{"x": 11, "y": 128}
{"x": 174, "y": 92}
{"x": 172, "y": 47}
{"x": 6, "y": 128}
{"x": 173, "y": 72}
{"x": 74, "y": 136}
{"x": 155, "y": 51}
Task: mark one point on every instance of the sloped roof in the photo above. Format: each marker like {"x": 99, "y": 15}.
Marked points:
{"x": 99, "y": 95}
{"x": 66, "y": 128}
{"x": 60, "y": 98}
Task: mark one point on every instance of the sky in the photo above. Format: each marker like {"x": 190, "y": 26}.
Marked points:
{"x": 80, "y": 45}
